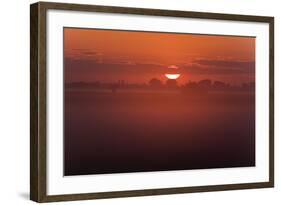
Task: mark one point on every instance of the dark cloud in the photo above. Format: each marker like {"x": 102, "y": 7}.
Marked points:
{"x": 93, "y": 67}
{"x": 90, "y": 53}
{"x": 110, "y": 65}
{"x": 223, "y": 67}
{"x": 227, "y": 63}
{"x": 240, "y": 65}
{"x": 84, "y": 54}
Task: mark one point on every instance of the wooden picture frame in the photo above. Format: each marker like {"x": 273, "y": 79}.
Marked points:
{"x": 39, "y": 111}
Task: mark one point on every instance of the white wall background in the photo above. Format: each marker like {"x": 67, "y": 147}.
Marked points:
{"x": 14, "y": 101}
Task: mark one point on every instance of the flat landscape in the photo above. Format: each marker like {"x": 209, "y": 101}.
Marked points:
{"x": 132, "y": 131}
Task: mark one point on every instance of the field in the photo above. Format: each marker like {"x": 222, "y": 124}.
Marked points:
{"x": 106, "y": 132}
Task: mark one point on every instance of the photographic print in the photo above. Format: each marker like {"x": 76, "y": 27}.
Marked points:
{"x": 129, "y": 102}
{"x": 137, "y": 101}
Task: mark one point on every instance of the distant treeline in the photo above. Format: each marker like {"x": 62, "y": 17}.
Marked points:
{"x": 156, "y": 84}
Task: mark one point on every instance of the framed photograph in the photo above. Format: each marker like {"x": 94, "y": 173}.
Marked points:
{"x": 134, "y": 102}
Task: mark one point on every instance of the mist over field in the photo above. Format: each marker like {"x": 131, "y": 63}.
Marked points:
{"x": 132, "y": 131}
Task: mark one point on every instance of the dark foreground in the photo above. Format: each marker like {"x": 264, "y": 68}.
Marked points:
{"x": 108, "y": 132}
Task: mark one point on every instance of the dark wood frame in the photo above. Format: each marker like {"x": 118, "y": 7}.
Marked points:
{"x": 38, "y": 110}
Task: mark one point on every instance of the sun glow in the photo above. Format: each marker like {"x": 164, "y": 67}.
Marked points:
{"x": 172, "y": 76}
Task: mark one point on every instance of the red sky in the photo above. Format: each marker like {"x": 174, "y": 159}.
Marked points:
{"x": 136, "y": 57}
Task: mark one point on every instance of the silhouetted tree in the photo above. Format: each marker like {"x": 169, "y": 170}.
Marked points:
{"x": 191, "y": 85}
{"x": 155, "y": 83}
{"x": 114, "y": 87}
{"x": 219, "y": 85}
{"x": 171, "y": 83}
{"x": 194, "y": 89}
{"x": 205, "y": 83}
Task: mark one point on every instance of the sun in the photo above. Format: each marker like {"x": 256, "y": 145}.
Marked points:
{"x": 172, "y": 73}
{"x": 172, "y": 76}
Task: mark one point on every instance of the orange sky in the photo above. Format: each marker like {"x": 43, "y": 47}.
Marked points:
{"x": 107, "y": 55}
